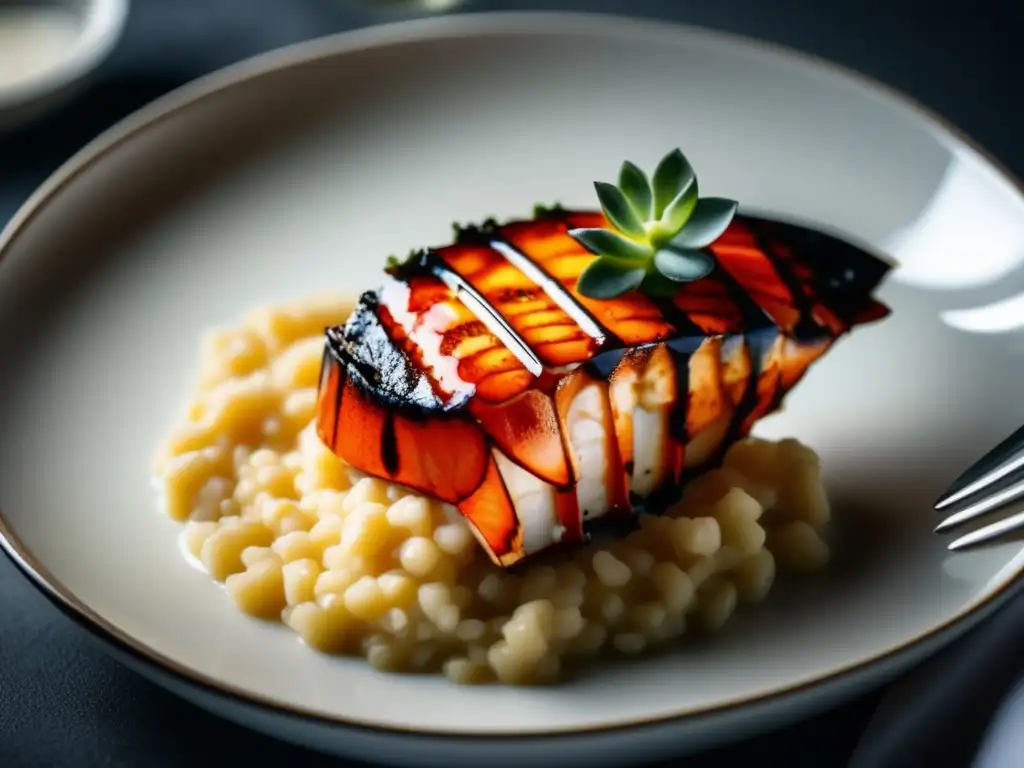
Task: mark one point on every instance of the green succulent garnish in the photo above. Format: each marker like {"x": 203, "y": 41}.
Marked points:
{"x": 660, "y": 226}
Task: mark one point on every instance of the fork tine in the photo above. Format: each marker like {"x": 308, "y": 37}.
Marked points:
{"x": 983, "y": 506}
{"x": 989, "y": 534}
{"x": 1003, "y": 460}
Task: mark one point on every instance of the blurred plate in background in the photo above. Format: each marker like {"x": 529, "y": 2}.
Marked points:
{"x": 47, "y": 47}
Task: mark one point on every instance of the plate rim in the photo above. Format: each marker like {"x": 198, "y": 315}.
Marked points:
{"x": 462, "y": 25}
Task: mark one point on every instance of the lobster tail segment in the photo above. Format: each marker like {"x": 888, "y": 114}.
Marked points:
{"x": 838, "y": 277}
{"x": 480, "y": 374}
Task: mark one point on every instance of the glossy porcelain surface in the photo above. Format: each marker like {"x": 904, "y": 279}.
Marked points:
{"x": 304, "y": 169}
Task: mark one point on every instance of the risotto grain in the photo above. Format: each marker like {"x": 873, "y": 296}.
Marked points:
{"x": 357, "y": 566}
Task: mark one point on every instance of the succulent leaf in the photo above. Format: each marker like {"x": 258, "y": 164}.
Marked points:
{"x": 618, "y": 209}
{"x": 677, "y": 213}
{"x": 673, "y": 174}
{"x": 614, "y": 246}
{"x": 683, "y": 266}
{"x": 607, "y": 279}
{"x": 635, "y": 186}
{"x": 710, "y": 218}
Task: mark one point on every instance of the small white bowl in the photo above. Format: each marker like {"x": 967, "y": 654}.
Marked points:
{"x": 88, "y": 29}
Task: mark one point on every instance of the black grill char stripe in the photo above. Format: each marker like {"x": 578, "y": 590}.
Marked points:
{"x": 554, "y": 290}
{"x": 603, "y": 364}
{"x": 681, "y": 350}
{"x": 677, "y": 318}
{"x": 759, "y": 334}
{"x": 368, "y": 356}
{"x": 806, "y": 327}
{"x": 389, "y": 455}
{"x": 842, "y": 274}
{"x": 494, "y": 320}
{"x": 492, "y": 235}
{"x": 754, "y": 317}
{"x": 758, "y": 344}
{"x": 845, "y": 276}
{"x": 338, "y": 392}
{"x": 756, "y": 322}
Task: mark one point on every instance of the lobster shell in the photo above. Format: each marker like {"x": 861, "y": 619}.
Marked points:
{"x": 477, "y": 373}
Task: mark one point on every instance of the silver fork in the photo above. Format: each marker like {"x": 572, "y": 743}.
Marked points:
{"x": 991, "y": 485}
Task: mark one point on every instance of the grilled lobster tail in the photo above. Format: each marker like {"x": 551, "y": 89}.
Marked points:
{"x": 478, "y": 374}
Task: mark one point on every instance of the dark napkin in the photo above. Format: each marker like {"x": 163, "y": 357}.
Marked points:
{"x": 938, "y": 714}
{"x": 64, "y": 703}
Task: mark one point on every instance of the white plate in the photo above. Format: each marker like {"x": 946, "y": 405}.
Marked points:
{"x": 286, "y": 174}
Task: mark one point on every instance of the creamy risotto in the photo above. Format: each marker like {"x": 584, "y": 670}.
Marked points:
{"x": 361, "y": 567}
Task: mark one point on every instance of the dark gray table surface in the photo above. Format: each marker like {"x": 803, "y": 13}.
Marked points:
{"x": 62, "y": 701}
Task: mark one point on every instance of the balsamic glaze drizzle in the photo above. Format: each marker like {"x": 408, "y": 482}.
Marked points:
{"x": 342, "y": 376}
{"x": 681, "y": 350}
{"x": 389, "y": 455}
